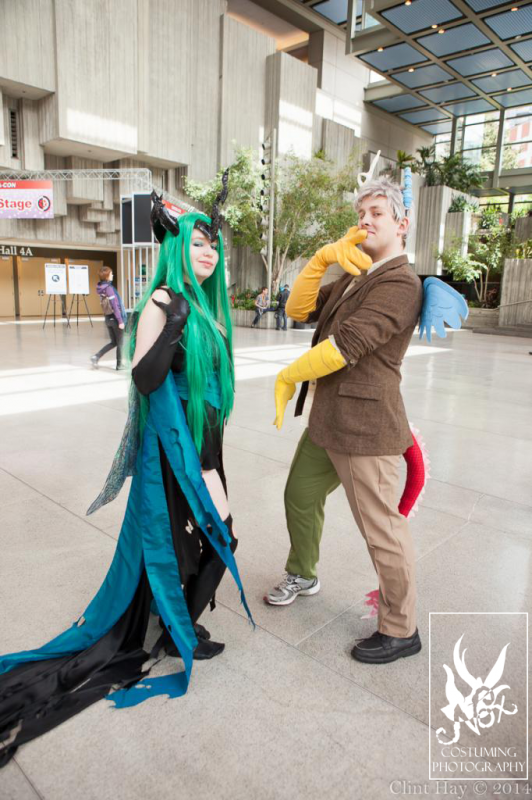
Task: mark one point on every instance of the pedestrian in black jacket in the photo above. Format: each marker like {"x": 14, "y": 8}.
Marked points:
{"x": 282, "y": 299}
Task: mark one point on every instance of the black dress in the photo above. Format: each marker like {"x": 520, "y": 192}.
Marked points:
{"x": 37, "y": 696}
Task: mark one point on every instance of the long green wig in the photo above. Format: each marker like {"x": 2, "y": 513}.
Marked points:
{"x": 206, "y": 348}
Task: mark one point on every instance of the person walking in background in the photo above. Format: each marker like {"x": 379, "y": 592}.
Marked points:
{"x": 280, "y": 316}
{"x": 115, "y": 316}
{"x": 262, "y": 302}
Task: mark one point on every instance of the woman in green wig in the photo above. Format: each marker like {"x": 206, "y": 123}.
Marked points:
{"x": 176, "y": 539}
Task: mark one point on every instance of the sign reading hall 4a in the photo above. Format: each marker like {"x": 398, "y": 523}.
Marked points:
{"x": 14, "y": 250}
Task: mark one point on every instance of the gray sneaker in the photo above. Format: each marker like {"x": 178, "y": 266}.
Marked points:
{"x": 94, "y": 361}
{"x": 290, "y": 587}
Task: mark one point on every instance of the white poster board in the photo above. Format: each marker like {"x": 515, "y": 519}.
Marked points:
{"x": 78, "y": 278}
{"x": 55, "y": 278}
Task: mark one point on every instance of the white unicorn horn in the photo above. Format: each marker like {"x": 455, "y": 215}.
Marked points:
{"x": 364, "y": 177}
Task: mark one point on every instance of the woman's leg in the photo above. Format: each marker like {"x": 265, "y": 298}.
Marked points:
{"x": 105, "y": 349}
{"x": 217, "y": 492}
{"x": 201, "y": 588}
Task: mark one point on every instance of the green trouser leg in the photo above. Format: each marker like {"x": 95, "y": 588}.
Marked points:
{"x": 312, "y": 477}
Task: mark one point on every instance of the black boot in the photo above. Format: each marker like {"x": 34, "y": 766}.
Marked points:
{"x": 199, "y": 592}
{"x": 204, "y": 649}
{"x": 201, "y": 589}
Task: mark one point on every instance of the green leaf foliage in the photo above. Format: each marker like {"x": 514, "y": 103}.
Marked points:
{"x": 312, "y": 206}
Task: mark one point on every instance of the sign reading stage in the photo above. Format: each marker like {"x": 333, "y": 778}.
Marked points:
{"x": 26, "y": 200}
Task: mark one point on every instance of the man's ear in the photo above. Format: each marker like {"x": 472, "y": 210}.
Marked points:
{"x": 404, "y": 225}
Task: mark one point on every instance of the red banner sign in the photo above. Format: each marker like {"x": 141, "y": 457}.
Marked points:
{"x": 26, "y": 200}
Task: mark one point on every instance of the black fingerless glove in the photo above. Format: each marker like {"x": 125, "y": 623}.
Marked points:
{"x": 153, "y": 367}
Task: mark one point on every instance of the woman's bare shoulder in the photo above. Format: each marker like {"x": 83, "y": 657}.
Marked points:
{"x": 161, "y": 295}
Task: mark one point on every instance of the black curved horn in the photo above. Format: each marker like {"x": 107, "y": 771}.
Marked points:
{"x": 161, "y": 220}
{"x": 216, "y": 217}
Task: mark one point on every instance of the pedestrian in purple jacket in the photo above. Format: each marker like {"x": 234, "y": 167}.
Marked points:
{"x": 115, "y": 317}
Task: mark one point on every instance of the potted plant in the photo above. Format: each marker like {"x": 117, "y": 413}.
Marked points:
{"x": 486, "y": 256}
{"x": 442, "y": 175}
{"x": 459, "y": 221}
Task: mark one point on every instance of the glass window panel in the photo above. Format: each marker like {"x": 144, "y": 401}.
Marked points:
{"x": 517, "y": 156}
{"x": 481, "y": 157}
{"x": 442, "y": 149}
{"x": 370, "y": 22}
{"x": 474, "y": 119}
{"x": 519, "y": 111}
{"x": 501, "y": 201}
{"x": 483, "y": 135}
{"x": 518, "y": 129}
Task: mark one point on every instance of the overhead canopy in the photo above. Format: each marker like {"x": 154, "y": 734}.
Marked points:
{"x": 443, "y": 58}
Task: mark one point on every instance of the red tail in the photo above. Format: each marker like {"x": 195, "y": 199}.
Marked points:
{"x": 416, "y": 476}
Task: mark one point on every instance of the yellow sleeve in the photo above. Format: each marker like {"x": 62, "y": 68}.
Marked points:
{"x": 321, "y": 360}
{"x": 304, "y": 294}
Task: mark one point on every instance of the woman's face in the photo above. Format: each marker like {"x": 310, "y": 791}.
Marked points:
{"x": 203, "y": 255}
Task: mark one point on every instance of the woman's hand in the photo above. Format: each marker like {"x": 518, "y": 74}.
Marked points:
{"x": 152, "y": 323}
{"x": 177, "y": 310}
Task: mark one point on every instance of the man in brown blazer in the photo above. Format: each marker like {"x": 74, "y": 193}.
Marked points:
{"x": 357, "y": 427}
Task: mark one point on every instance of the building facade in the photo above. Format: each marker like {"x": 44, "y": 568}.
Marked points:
{"x": 166, "y": 86}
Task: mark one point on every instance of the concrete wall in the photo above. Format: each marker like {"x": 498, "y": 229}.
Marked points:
{"x": 516, "y": 287}
{"x": 27, "y": 54}
{"x": 171, "y": 85}
{"x": 342, "y": 80}
{"x": 291, "y": 103}
{"x": 434, "y": 202}
{"x": 243, "y": 98}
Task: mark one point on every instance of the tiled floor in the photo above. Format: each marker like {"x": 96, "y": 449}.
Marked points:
{"x": 284, "y": 712}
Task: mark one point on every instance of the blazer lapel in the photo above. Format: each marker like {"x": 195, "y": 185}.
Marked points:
{"x": 364, "y": 279}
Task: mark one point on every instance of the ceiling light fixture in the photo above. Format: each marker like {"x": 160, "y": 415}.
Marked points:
{"x": 411, "y": 69}
{"x": 493, "y": 74}
{"x": 433, "y": 27}
{"x": 408, "y": 2}
{"x": 514, "y": 8}
{"x": 442, "y": 30}
{"x": 509, "y": 89}
{"x": 380, "y": 49}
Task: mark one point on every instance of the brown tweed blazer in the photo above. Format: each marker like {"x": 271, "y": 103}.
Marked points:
{"x": 359, "y": 409}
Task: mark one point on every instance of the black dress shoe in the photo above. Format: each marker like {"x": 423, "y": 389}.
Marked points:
{"x": 380, "y": 648}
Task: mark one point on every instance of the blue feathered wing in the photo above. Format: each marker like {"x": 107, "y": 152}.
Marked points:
{"x": 441, "y": 303}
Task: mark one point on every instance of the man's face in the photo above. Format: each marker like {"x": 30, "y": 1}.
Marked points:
{"x": 385, "y": 234}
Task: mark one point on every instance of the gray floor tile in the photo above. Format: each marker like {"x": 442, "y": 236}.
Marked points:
{"x": 247, "y": 728}
{"x": 234, "y": 734}
{"x": 14, "y": 785}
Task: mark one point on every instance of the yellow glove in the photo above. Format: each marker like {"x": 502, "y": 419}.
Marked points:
{"x": 303, "y": 297}
{"x": 316, "y": 363}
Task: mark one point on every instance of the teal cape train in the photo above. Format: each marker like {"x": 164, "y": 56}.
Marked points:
{"x": 145, "y": 544}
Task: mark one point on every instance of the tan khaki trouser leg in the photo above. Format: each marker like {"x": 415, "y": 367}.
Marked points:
{"x": 370, "y": 483}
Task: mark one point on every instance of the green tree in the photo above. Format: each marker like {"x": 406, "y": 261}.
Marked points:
{"x": 312, "y": 206}
{"x": 486, "y": 255}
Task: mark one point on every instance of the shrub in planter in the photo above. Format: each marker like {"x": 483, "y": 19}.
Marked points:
{"x": 461, "y": 203}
